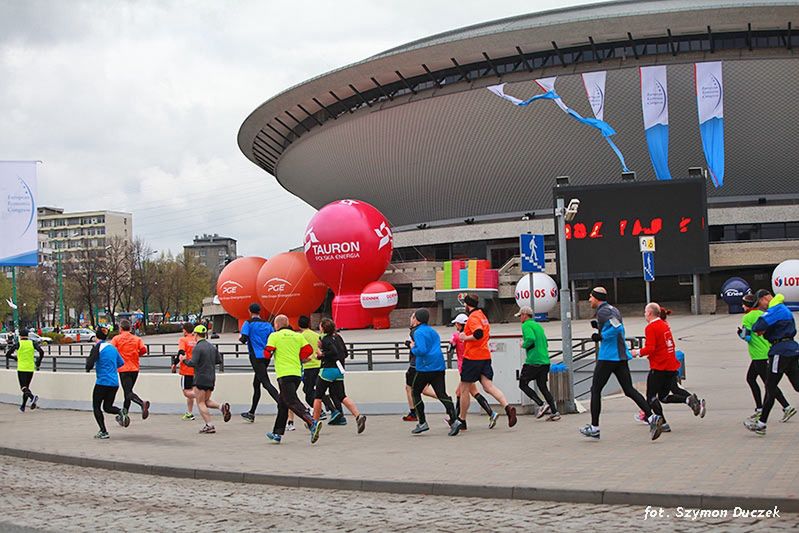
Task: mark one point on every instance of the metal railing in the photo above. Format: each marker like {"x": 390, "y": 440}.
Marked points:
{"x": 360, "y": 356}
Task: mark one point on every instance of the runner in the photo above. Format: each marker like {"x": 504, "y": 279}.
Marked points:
{"x": 289, "y": 349}
{"x": 185, "y": 347}
{"x": 333, "y": 354}
{"x": 430, "y": 369}
{"x": 612, "y": 360}
{"x": 477, "y": 365}
{"x": 254, "y": 333}
{"x": 204, "y": 358}
{"x": 108, "y": 361}
{"x": 456, "y": 344}
{"x": 310, "y": 373}
{"x": 536, "y": 364}
{"x": 778, "y": 327}
{"x": 130, "y": 347}
{"x": 26, "y": 365}
{"x": 664, "y": 368}
{"x": 409, "y": 375}
{"x": 758, "y": 351}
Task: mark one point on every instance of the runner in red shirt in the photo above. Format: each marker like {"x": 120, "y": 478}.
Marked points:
{"x": 661, "y": 384}
{"x": 185, "y": 347}
{"x": 130, "y": 347}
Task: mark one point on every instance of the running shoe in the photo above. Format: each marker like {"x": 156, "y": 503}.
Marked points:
{"x": 756, "y": 426}
{"x": 588, "y": 431}
{"x": 125, "y": 418}
{"x": 702, "y": 408}
{"x": 360, "y": 420}
{"x": 208, "y": 428}
{"x": 543, "y": 410}
{"x": 102, "y": 435}
{"x": 249, "y": 417}
{"x": 492, "y": 422}
{"x": 511, "y": 412}
{"x": 666, "y": 428}
{"x": 554, "y": 417}
{"x": 787, "y": 413}
{"x": 145, "y": 410}
{"x": 36, "y": 399}
{"x": 456, "y": 427}
{"x": 120, "y": 420}
{"x": 334, "y": 416}
{"x": 421, "y": 428}
{"x": 274, "y": 438}
{"x": 693, "y": 403}
{"x": 641, "y": 418}
{"x": 187, "y": 416}
{"x": 316, "y": 427}
{"x": 323, "y": 415}
{"x": 340, "y": 421}
{"x": 655, "y": 426}
{"x": 410, "y": 417}
{"x": 225, "y": 408}
{"x": 756, "y": 414}
{"x": 22, "y": 408}
{"x": 290, "y": 426}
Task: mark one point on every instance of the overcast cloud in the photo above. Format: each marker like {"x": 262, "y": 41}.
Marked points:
{"x": 135, "y": 106}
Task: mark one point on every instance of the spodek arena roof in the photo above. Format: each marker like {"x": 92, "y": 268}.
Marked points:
{"x": 414, "y": 130}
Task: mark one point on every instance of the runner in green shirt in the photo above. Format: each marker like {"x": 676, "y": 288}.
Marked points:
{"x": 758, "y": 351}
{"x": 536, "y": 365}
{"x": 288, "y": 349}
{"x": 26, "y": 365}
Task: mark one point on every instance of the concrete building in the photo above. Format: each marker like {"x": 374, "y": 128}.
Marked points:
{"x": 74, "y": 234}
{"x": 461, "y": 173}
{"x": 212, "y": 251}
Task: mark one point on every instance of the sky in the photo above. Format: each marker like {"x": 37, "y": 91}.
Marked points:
{"x": 135, "y": 105}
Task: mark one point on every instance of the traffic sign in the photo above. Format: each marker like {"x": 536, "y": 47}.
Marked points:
{"x": 647, "y": 243}
{"x": 649, "y": 266}
{"x": 531, "y": 249}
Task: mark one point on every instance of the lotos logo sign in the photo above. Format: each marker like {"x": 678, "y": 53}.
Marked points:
{"x": 277, "y": 285}
{"x": 230, "y": 287}
{"x": 786, "y": 281}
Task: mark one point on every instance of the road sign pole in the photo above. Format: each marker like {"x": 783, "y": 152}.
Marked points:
{"x": 648, "y": 293}
{"x": 14, "y": 297}
{"x": 530, "y": 279}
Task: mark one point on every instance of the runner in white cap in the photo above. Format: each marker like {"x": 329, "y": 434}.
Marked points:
{"x": 456, "y": 344}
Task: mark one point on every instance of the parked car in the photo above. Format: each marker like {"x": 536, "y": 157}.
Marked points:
{"x": 44, "y": 341}
{"x": 86, "y": 335}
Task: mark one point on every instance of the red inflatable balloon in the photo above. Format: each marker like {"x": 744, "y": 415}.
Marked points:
{"x": 236, "y": 286}
{"x": 287, "y": 286}
{"x": 379, "y": 298}
{"x": 348, "y": 244}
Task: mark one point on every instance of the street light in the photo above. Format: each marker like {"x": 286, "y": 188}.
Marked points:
{"x": 145, "y": 292}
{"x": 562, "y": 215}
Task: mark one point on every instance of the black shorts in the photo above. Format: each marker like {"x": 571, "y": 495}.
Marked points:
{"x": 187, "y": 382}
{"x": 409, "y": 376}
{"x": 205, "y": 387}
{"x": 473, "y": 369}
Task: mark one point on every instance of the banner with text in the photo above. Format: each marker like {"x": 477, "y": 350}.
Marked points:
{"x": 710, "y": 108}
{"x": 655, "y": 105}
{"x": 19, "y": 244}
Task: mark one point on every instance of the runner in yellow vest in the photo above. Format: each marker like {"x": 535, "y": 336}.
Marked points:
{"x": 26, "y": 365}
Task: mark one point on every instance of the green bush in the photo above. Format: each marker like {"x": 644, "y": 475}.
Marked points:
{"x": 55, "y": 338}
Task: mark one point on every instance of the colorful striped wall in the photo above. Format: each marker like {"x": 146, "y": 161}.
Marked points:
{"x": 471, "y": 274}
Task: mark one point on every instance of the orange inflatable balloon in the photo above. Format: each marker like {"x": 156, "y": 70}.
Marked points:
{"x": 286, "y": 285}
{"x": 236, "y": 286}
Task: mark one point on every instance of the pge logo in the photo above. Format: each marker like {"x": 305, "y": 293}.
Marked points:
{"x": 230, "y": 287}
{"x": 276, "y": 285}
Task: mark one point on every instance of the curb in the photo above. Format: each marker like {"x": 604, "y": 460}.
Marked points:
{"x": 608, "y": 497}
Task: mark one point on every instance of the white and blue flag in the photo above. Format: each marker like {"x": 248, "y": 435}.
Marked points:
{"x": 655, "y": 105}
{"x": 19, "y": 242}
{"x": 710, "y": 108}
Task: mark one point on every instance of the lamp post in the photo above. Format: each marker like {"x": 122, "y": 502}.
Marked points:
{"x": 145, "y": 290}
{"x": 60, "y": 292}
{"x": 562, "y": 215}
{"x": 14, "y": 297}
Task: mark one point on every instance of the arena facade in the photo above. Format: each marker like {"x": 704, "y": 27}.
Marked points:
{"x": 461, "y": 173}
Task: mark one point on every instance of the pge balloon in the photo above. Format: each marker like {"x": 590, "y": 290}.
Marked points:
{"x": 286, "y": 285}
{"x": 236, "y": 287}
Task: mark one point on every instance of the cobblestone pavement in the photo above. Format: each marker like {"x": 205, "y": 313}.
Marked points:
{"x": 50, "y": 497}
